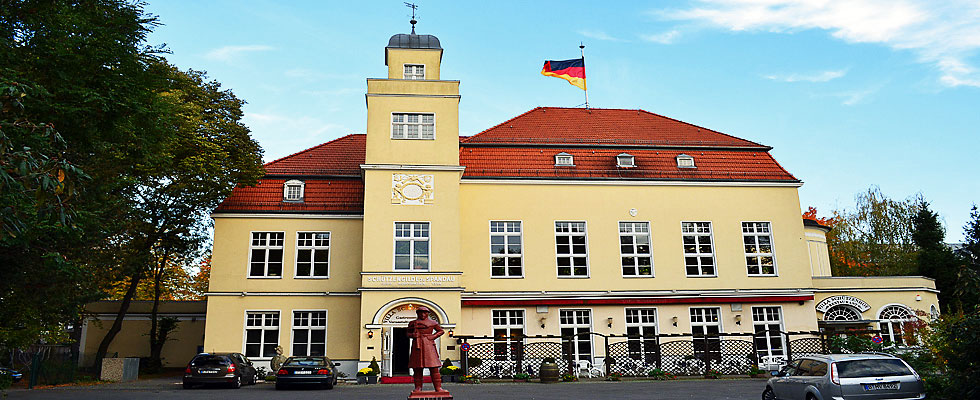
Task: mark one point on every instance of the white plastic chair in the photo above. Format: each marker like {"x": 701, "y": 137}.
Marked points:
{"x": 584, "y": 368}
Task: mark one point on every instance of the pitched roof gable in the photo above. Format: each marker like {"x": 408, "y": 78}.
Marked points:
{"x": 339, "y": 157}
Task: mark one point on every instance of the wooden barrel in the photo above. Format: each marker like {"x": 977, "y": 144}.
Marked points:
{"x": 549, "y": 372}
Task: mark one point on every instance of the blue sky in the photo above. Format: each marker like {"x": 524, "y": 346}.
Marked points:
{"x": 849, "y": 93}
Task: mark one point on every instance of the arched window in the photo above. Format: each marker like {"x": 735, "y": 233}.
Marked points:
{"x": 892, "y": 318}
{"x": 842, "y": 313}
{"x": 293, "y": 190}
{"x": 933, "y": 313}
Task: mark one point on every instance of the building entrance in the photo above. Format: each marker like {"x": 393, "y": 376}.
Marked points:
{"x": 399, "y": 351}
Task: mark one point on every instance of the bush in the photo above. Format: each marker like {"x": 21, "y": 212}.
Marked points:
{"x": 450, "y": 370}
{"x": 569, "y": 378}
{"x": 522, "y": 376}
{"x": 661, "y": 375}
{"x": 953, "y": 341}
{"x": 374, "y": 366}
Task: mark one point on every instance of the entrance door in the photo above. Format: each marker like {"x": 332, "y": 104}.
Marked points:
{"x": 399, "y": 351}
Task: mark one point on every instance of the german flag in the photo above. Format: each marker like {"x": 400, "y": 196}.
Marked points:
{"x": 572, "y": 71}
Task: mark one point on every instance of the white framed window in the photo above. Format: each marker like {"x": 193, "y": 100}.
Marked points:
{"x": 685, "y": 161}
{"x": 293, "y": 190}
{"x": 892, "y": 319}
{"x": 312, "y": 254}
{"x": 933, "y": 313}
{"x": 768, "y": 324}
{"x": 634, "y": 249}
{"x": 310, "y": 333}
{"x": 414, "y": 72}
{"x": 508, "y": 334}
{"x": 564, "y": 160}
{"x": 265, "y": 255}
{"x": 842, "y": 312}
{"x": 571, "y": 248}
{"x": 759, "y": 254}
{"x": 699, "y": 255}
{"x": 411, "y": 246}
{"x": 625, "y": 160}
{"x": 506, "y": 249}
{"x": 261, "y": 333}
{"x": 413, "y": 126}
{"x": 576, "y": 326}
{"x": 706, "y": 328}
{"x": 641, "y": 328}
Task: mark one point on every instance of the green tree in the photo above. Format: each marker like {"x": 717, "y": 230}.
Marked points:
{"x": 876, "y": 237}
{"x": 967, "y": 290}
{"x": 935, "y": 259}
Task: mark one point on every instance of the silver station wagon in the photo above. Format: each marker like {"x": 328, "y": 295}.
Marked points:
{"x": 845, "y": 376}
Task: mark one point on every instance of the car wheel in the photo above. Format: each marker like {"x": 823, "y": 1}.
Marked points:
{"x": 237, "y": 383}
{"x": 188, "y": 385}
{"x": 768, "y": 394}
{"x": 254, "y": 380}
{"x": 328, "y": 385}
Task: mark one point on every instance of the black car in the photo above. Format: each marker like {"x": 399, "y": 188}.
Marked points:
{"x": 16, "y": 375}
{"x": 230, "y": 369}
{"x": 313, "y": 370}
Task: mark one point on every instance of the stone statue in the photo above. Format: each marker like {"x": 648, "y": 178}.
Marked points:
{"x": 424, "y": 354}
{"x": 277, "y": 360}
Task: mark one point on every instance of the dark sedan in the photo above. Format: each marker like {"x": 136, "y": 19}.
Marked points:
{"x": 230, "y": 369}
{"x": 307, "y": 371}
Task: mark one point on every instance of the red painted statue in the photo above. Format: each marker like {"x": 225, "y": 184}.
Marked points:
{"x": 424, "y": 354}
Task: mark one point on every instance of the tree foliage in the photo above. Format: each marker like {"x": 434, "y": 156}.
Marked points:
{"x": 875, "y": 238}
{"x": 935, "y": 259}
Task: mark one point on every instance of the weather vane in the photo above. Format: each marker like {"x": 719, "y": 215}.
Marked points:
{"x": 414, "y": 7}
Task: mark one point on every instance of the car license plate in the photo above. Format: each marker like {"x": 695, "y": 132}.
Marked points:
{"x": 881, "y": 386}
{"x": 303, "y": 372}
{"x": 208, "y": 371}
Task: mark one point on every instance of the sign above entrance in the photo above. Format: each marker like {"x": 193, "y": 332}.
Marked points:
{"x": 852, "y": 301}
{"x": 410, "y": 280}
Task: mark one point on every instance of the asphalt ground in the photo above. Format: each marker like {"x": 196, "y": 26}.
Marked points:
{"x": 170, "y": 388}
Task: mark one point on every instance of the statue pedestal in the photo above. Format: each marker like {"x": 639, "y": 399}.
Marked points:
{"x": 430, "y": 395}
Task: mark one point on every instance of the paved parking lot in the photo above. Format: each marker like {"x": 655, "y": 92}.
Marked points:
{"x": 169, "y": 388}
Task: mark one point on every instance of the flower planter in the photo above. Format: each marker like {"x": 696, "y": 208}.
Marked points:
{"x": 549, "y": 372}
{"x": 362, "y": 380}
{"x": 372, "y": 379}
{"x": 448, "y": 378}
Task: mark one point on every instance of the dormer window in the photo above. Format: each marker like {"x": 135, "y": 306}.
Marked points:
{"x": 685, "y": 161}
{"x": 414, "y": 72}
{"x": 625, "y": 161}
{"x": 564, "y": 160}
{"x": 293, "y": 191}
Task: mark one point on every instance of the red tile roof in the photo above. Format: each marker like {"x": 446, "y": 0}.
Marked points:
{"x": 531, "y": 162}
{"x": 544, "y": 125}
{"x": 335, "y": 196}
{"x": 525, "y": 147}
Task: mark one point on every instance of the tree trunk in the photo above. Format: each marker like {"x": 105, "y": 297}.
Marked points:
{"x": 156, "y": 339}
{"x": 117, "y": 324}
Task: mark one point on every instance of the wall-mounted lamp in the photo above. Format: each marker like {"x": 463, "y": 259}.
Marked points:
{"x": 609, "y": 321}
{"x": 450, "y": 333}
{"x": 918, "y": 297}
{"x": 674, "y": 320}
{"x": 370, "y": 334}
{"x": 738, "y": 319}
{"x": 542, "y": 322}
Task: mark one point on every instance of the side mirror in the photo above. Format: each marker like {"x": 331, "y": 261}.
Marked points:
{"x": 336, "y": 364}
{"x": 777, "y": 373}
{"x": 250, "y": 364}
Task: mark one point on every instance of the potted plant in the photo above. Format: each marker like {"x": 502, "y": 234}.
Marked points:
{"x": 363, "y": 373}
{"x": 712, "y": 374}
{"x": 470, "y": 379}
{"x": 569, "y": 378}
{"x": 375, "y": 370}
{"x": 756, "y": 372}
{"x": 661, "y": 375}
{"x": 449, "y": 371}
{"x": 615, "y": 376}
{"x": 522, "y": 377}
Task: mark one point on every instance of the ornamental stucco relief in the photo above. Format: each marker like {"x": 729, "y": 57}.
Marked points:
{"x": 411, "y": 189}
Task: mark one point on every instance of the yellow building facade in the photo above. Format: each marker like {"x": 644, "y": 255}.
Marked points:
{"x": 586, "y": 222}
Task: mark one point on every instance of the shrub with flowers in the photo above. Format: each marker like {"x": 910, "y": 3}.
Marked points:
{"x": 615, "y": 376}
{"x": 450, "y": 370}
{"x": 712, "y": 374}
{"x": 569, "y": 378}
{"x": 470, "y": 379}
{"x": 661, "y": 375}
{"x": 367, "y": 371}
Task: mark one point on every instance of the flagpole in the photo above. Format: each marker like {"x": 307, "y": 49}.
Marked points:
{"x": 582, "y": 47}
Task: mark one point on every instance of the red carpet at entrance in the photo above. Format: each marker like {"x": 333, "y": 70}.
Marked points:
{"x": 402, "y": 379}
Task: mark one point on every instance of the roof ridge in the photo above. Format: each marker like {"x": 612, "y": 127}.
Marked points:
{"x": 310, "y": 149}
{"x": 502, "y": 123}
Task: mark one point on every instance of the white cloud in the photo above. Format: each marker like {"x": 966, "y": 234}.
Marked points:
{"x": 599, "y": 35}
{"x": 944, "y": 34}
{"x": 229, "y": 53}
{"x": 823, "y": 76}
{"x": 662, "y": 38}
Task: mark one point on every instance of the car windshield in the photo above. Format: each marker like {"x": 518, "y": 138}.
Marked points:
{"x": 210, "y": 360}
{"x": 868, "y": 368}
{"x": 310, "y": 361}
